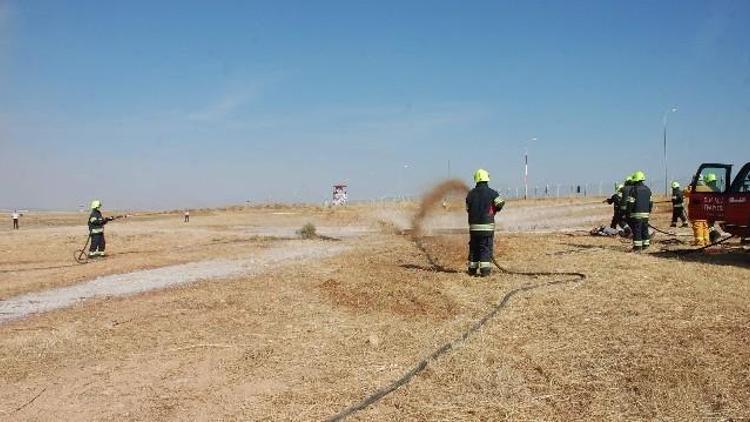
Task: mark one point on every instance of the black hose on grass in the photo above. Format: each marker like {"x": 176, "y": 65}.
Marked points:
{"x": 662, "y": 231}
{"x": 668, "y": 233}
{"x": 579, "y": 276}
{"x": 434, "y": 263}
{"x": 690, "y": 251}
{"x": 373, "y": 398}
{"x": 80, "y": 255}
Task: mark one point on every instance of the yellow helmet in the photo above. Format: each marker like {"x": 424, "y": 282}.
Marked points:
{"x": 481, "y": 175}
{"x": 710, "y": 177}
{"x": 96, "y": 204}
{"x": 675, "y": 185}
{"x": 639, "y": 176}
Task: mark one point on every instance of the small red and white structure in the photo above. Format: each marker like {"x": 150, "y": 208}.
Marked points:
{"x": 340, "y": 195}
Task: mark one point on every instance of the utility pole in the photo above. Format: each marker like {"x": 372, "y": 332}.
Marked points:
{"x": 526, "y": 174}
{"x": 526, "y": 168}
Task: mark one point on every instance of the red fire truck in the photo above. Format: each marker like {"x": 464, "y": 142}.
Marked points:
{"x": 715, "y": 197}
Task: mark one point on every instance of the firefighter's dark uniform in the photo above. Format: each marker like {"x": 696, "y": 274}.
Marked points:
{"x": 678, "y": 207}
{"x": 639, "y": 206}
{"x": 96, "y": 231}
{"x": 624, "y": 203}
{"x": 482, "y": 203}
{"x": 616, "y": 201}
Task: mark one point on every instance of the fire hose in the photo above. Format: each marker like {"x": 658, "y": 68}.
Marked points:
{"x": 662, "y": 231}
{"x": 690, "y": 251}
{"x": 408, "y": 376}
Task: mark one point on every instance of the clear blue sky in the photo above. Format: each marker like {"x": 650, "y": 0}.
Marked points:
{"x": 178, "y": 103}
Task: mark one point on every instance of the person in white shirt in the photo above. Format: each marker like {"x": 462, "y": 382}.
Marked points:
{"x": 187, "y": 216}
{"x": 15, "y": 217}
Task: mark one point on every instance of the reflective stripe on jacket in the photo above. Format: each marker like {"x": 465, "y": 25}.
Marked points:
{"x": 490, "y": 227}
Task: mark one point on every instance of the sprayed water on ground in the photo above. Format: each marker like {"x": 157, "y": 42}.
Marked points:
{"x": 434, "y": 197}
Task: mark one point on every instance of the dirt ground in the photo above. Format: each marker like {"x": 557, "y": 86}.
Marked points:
{"x": 651, "y": 336}
{"x": 40, "y": 255}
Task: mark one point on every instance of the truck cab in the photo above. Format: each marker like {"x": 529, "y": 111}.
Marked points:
{"x": 716, "y": 198}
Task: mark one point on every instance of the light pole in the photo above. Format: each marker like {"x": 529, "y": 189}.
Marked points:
{"x": 526, "y": 168}
{"x": 666, "y": 167}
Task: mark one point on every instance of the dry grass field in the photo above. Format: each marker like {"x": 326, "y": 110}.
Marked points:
{"x": 651, "y": 336}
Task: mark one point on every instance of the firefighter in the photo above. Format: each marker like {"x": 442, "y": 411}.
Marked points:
{"x": 639, "y": 206}
{"x": 96, "y": 229}
{"x": 678, "y": 206}
{"x": 616, "y": 201}
{"x": 700, "y": 227}
{"x": 712, "y": 183}
{"x": 627, "y": 186}
{"x": 482, "y": 203}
